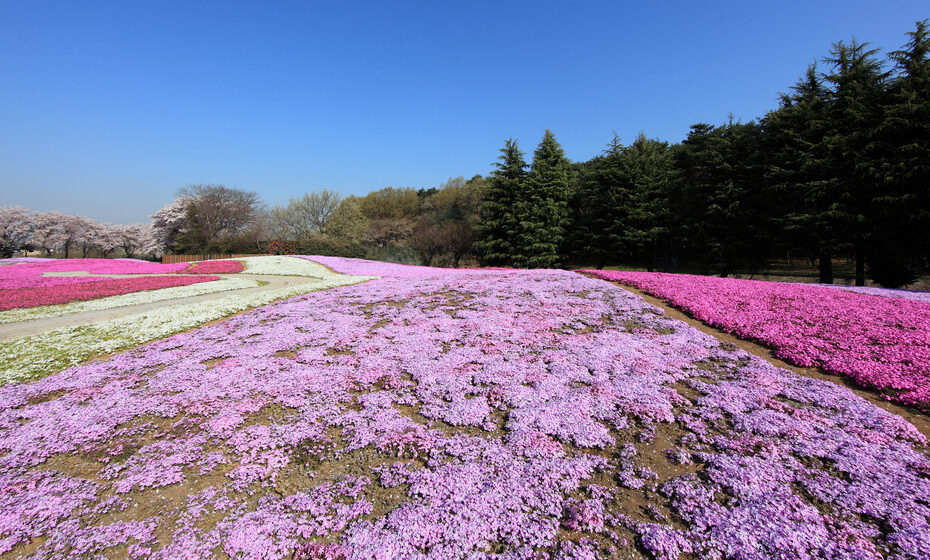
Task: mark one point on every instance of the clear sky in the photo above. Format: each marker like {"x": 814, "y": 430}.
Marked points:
{"x": 106, "y": 109}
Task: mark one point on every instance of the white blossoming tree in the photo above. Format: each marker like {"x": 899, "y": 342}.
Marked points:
{"x": 16, "y": 225}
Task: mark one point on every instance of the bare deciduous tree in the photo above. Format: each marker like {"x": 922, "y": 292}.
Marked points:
{"x": 305, "y": 216}
{"x": 215, "y": 212}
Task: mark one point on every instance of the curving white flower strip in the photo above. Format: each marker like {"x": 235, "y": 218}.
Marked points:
{"x": 135, "y": 298}
{"x": 284, "y": 266}
{"x": 52, "y": 351}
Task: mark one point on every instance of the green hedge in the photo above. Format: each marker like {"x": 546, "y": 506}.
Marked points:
{"x": 329, "y": 247}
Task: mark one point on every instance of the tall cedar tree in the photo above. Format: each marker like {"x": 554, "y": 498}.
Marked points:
{"x": 647, "y": 165}
{"x": 855, "y": 115}
{"x": 602, "y": 205}
{"x": 901, "y": 237}
{"x": 626, "y": 192}
{"x": 804, "y": 195}
{"x": 498, "y": 225}
{"x": 721, "y": 174}
{"x": 542, "y": 207}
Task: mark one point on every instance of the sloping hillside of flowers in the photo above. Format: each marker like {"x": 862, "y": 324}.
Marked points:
{"x": 880, "y": 342}
{"x": 454, "y": 414}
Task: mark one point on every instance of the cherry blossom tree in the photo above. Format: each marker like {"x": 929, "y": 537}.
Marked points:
{"x": 107, "y": 239}
{"x": 74, "y": 230}
{"x": 48, "y": 233}
{"x": 168, "y": 223}
{"x": 130, "y": 238}
{"x": 16, "y": 227}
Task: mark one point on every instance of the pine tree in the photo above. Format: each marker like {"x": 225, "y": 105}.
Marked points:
{"x": 798, "y": 171}
{"x": 901, "y": 237}
{"x": 855, "y": 114}
{"x": 542, "y": 210}
{"x": 648, "y": 169}
{"x": 498, "y": 224}
{"x": 605, "y": 200}
{"x": 721, "y": 176}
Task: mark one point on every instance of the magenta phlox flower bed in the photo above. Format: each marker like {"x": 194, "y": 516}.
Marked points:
{"x": 880, "y": 342}
{"x": 214, "y": 267}
{"x": 81, "y": 291}
{"x": 25, "y": 285}
{"x": 30, "y": 274}
{"x": 447, "y": 415}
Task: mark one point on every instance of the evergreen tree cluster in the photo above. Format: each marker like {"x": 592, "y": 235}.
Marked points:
{"x": 524, "y": 215}
{"x": 841, "y": 168}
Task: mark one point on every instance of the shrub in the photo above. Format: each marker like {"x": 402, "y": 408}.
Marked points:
{"x": 329, "y": 247}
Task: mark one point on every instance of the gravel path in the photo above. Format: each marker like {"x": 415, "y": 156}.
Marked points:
{"x": 28, "y": 328}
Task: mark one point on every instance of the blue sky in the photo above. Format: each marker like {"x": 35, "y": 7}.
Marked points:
{"x": 106, "y": 109}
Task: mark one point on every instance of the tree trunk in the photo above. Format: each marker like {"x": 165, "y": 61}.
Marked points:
{"x": 860, "y": 264}
{"x": 826, "y": 269}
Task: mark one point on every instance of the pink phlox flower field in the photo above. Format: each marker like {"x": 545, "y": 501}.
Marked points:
{"x": 880, "y": 342}
{"x": 30, "y": 274}
{"x": 24, "y": 285}
{"x": 82, "y": 291}
{"x": 434, "y": 414}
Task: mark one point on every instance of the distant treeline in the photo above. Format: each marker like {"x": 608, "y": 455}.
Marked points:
{"x": 840, "y": 169}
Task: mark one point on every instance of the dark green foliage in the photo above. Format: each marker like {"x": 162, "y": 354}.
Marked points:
{"x": 623, "y": 198}
{"x": 329, "y": 247}
{"x": 541, "y": 207}
{"x": 601, "y": 208}
{"x": 498, "y": 224}
{"x": 855, "y": 114}
{"x": 804, "y": 194}
{"x": 721, "y": 188}
{"x": 900, "y": 241}
{"x": 647, "y": 165}
{"x": 423, "y": 194}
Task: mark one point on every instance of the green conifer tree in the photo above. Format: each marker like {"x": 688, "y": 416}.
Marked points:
{"x": 901, "y": 235}
{"x": 798, "y": 170}
{"x": 855, "y": 114}
{"x": 542, "y": 208}
{"x": 498, "y": 224}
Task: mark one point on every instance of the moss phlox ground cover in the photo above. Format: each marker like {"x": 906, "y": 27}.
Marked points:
{"x": 25, "y": 284}
{"x": 54, "y": 350}
{"x": 880, "y": 342}
{"x": 22, "y": 298}
{"x": 30, "y": 274}
{"x": 135, "y": 298}
{"x": 439, "y": 414}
